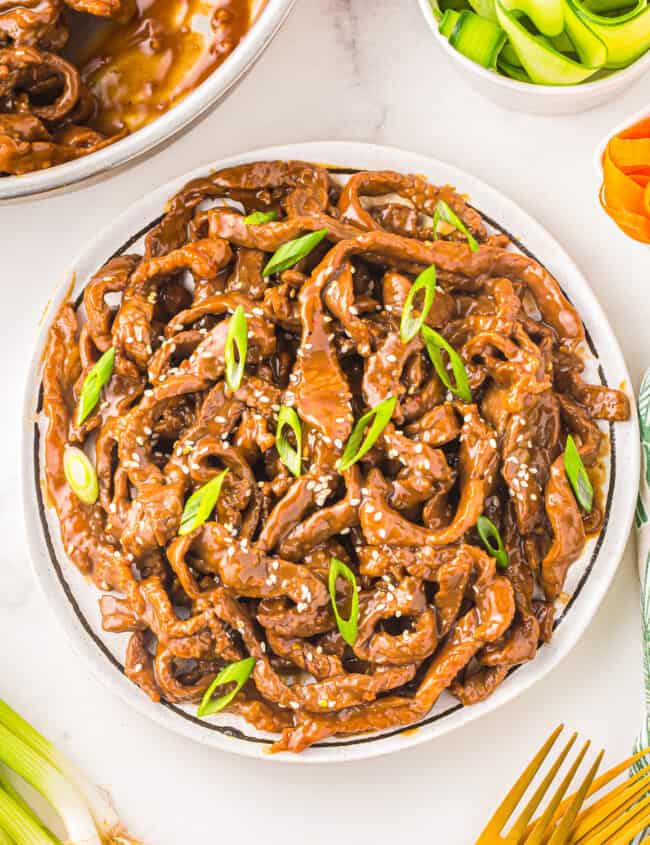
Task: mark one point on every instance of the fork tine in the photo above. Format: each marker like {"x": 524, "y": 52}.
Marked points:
{"x": 635, "y": 827}
{"x": 625, "y": 826}
{"x": 597, "y": 785}
{"x": 538, "y": 833}
{"x": 519, "y": 828}
{"x": 563, "y": 830}
{"x": 614, "y": 802}
{"x": 505, "y": 809}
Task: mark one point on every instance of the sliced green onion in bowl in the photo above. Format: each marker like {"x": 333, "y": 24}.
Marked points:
{"x": 80, "y": 474}
{"x": 293, "y": 251}
{"x": 491, "y": 539}
{"x": 434, "y": 342}
{"x": 347, "y": 627}
{"x": 97, "y": 377}
{"x": 235, "y": 673}
{"x": 237, "y": 338}
{"x": 578, "y": 476}
{"x": 377, "y": 419}
{"x": 446, "y": 213}
{"x": 291, "y": 457}
{"x": 259, "y": 217}
{"x": 200, "y": 504}
{"x": 410, "y": 325}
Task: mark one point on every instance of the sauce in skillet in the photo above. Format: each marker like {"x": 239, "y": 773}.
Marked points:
{"x": 140, "y": 69}
{"x": 81, "y": 74}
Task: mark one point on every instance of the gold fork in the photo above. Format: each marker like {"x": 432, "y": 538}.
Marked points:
{"x": 614, "y": 819}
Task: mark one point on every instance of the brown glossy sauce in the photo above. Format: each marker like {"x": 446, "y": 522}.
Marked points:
{"x": 139, "y": 70}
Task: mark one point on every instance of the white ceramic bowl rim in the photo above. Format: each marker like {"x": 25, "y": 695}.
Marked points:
{"x": 164, "y": 128}
{"x": 588, "y": 592}
{"x": 599, "y": 151}
{"x": 596, "y": 87}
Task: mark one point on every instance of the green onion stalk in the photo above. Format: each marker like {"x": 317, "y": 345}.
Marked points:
{"x": 85, "y": 811}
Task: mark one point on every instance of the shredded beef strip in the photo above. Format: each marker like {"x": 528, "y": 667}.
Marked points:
{"x": 323, "y": 338}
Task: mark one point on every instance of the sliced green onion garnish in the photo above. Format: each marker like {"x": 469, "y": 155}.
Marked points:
{"x": 293, "y": 251}
{"x": 409, "y": 325}
{"x": 434, "y": 342}
{"x": 444, "y": 212}
{"x": 80, "y": 475}
{"x": 236, "y": 673}
{"x": 97, "y": 377}
{"x": 489, "y": 534}
{"x": 291, "y": 457}
{"x": 237, "y": 337}
{"x": 357, "y": 445}
{"x": 347, "y": 627}
{"x": 201, "y": 504}
{"x": 578, "y": 475}
{"x": 259, "y": 217}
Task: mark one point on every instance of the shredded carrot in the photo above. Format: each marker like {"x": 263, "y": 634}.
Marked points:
{"x": 625, "y": 193}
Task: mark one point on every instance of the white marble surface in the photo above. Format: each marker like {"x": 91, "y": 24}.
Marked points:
{"x": 357, "y": 70}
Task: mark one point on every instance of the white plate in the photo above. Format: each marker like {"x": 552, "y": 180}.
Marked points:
{"x": 74, "y": 600}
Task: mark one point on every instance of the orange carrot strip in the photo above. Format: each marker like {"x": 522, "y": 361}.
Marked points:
{"x": 646, "y": 199}
{"x": 638, "y": 130}
{"x": 635, "y": 171}
{"x": 630, "y": 153}
{"x": 620, "y": 191}
{"x": 635, "y": 225}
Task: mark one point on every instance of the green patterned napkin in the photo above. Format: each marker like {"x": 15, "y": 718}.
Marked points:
{"x": 643, "y": 549}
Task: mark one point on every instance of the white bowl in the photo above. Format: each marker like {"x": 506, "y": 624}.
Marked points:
{"x": 598, "y": 162}
{"x": 165, "y": 128}
{"x": 537, "y": 99}
{"x": 74, "y": 600}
